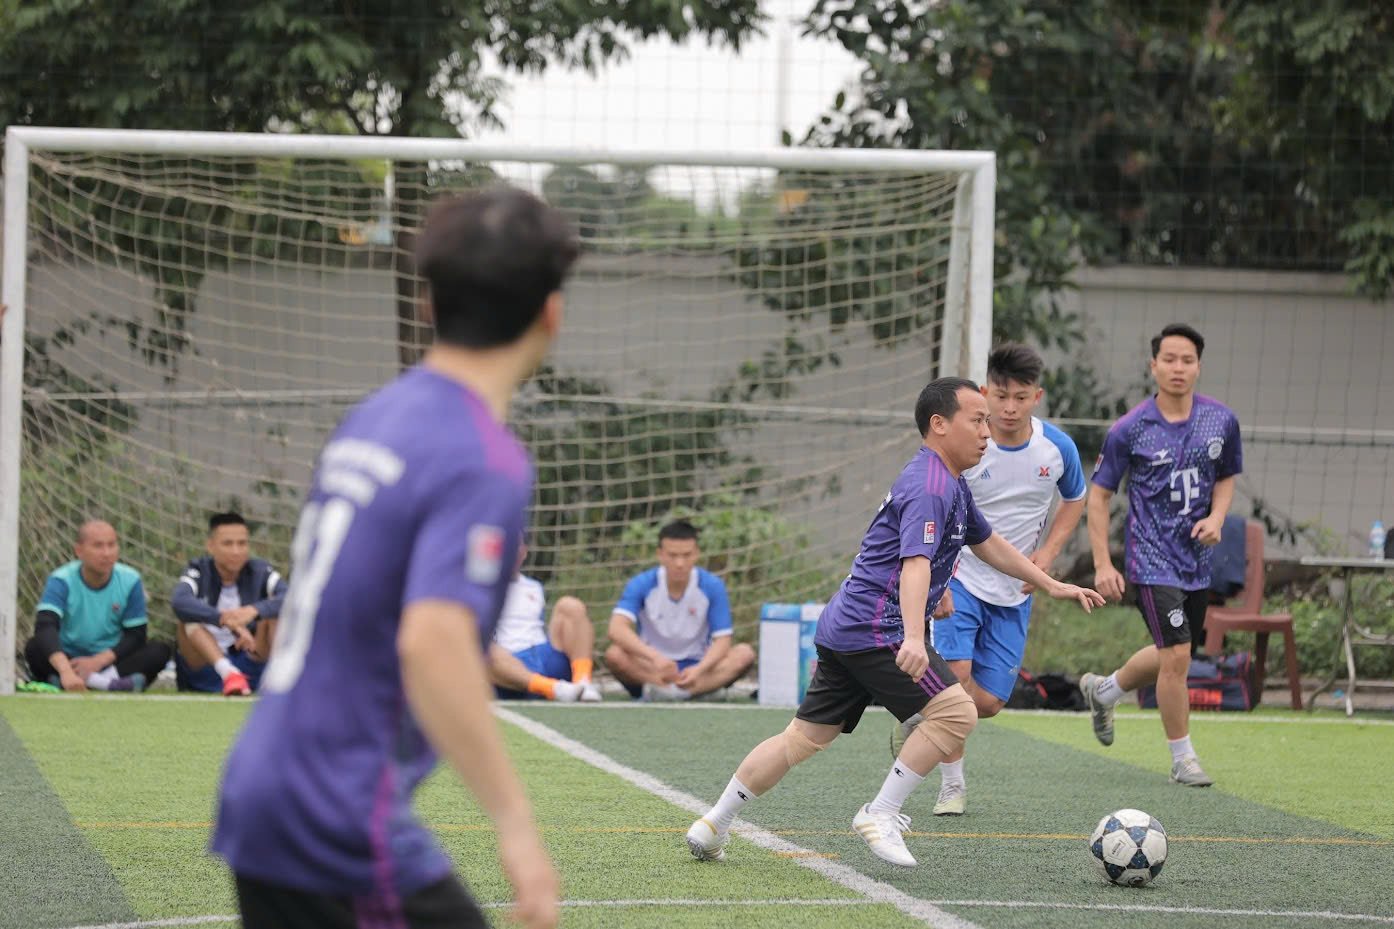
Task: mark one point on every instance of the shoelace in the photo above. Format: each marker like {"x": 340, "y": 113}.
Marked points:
{"x": 897, "y": 821}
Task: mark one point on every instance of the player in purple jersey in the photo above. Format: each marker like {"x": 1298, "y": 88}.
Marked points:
{"x": 1180, "y": 452}
{"x": 404, "y": 549}
{"x": 871, "y": 635}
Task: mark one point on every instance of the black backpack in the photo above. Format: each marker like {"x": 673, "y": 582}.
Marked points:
{"x": 1046, "y": 692}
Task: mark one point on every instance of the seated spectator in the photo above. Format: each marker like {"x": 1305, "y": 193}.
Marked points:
{"x": 670, "y": 633}
{"x": 90, "y": 631}
{"x": 528, "y": 658}
{"x": 227, "y": 604}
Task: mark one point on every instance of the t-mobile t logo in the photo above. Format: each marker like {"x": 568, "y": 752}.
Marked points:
{"x": 1189, "y": 489}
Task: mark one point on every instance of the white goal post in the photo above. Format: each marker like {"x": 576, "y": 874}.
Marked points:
{"x": 189, "y": 313}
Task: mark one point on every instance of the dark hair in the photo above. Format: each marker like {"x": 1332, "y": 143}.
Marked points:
{"x": 217, "y": 520}
{"x": 1012, "y": 361}
{"x": 939, "y": 398}
{"x": 679, "y": 530}
{"x": 491, "y": 259}
{"x": 1185, "y": 332}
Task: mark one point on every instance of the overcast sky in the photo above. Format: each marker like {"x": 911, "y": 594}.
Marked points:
{"x": 690, "y": 97}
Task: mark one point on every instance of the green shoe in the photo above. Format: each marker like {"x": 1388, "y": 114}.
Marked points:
{"x": 953, "y": 800}
{"x": 900, "y": 732}
{"x": 37, "y": 687}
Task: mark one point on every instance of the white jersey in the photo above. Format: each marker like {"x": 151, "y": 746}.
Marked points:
{"x": 521, "y": 623}
{"x": 1014, "y": 488}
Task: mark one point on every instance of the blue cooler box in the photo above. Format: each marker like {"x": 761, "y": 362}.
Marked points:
{"x": 787, "y": 655}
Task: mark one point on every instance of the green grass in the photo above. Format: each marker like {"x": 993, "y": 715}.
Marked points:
{"x": 1301, "y": 819}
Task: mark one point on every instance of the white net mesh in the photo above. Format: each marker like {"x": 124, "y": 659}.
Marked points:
{"x": 742, "y": 346}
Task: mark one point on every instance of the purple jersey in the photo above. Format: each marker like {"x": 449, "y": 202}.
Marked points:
{"x": 420, "y": 494}
{"x": 1172, "y": 469}
{"x": 928, "y": 512}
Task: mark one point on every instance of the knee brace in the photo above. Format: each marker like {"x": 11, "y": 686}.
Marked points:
{"x": 948, "y": 719}
{"x": 797, "y": 746}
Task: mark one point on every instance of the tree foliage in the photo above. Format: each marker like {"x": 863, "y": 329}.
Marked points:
{"x": 368, "y": 68}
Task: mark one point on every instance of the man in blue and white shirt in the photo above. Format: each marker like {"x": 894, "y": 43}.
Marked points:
{"x": 670, "y": 632}
{"x": 1028, "y": 463}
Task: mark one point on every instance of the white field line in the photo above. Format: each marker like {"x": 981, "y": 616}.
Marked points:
{"x": 836, "y": 872}
{"x": 1150, "y": 716}
{"x": 849, "y": 902}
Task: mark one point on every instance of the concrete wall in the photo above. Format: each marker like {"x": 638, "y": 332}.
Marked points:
{"x": 1308, "y": 368}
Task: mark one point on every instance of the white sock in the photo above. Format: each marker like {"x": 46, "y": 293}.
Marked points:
{"x": 1180, "y": 748}
{"x": 566, "y": 692}
{"x": 951, "y": 772}
{"x": 900, "y": 783}
{"x": 1109, "y": 691}
{"x": 735, "y": 796}
{"x": 224, "y": 667}
{"x": 101, "y": 680}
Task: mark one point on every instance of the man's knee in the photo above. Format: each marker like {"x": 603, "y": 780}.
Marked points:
{"x": 617, "y": 660}
{"x": 571, "y": 608}
{"x": 987, "y": 705}
{"x": 798, "y": 747}
{"x": 1175, "y": 660}
{"x": 742, "y": 657}
{"x": 947, "y": 720}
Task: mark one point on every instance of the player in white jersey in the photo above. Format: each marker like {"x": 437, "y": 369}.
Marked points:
{"x": 1027, "y": 463}
{"x": 532, "y": 658}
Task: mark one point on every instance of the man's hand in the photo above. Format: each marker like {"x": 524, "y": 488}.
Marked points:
{"x": 1109, "y": 582}
{"x": 536, "y": 888}
{"x": 912, "y": 659}
{"x": 946, "y": 605}
{"x": 238, "y": 618}
{"x": 71, "y": 682}
{"x": 87, "y": 665}
{"x": 1086, "y": 598}
{"x": 687, "y": 677}
{"x": 1043, "y": 560}
{"x": 665, "y": 668}
{"x": 1207, "y": 531}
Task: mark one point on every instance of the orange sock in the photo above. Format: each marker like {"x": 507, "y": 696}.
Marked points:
{"x": 581, "y": 670}
{"x": 543, "y": 686}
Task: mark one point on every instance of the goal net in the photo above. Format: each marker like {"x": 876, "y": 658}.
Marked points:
{"x": 744, "y": 340}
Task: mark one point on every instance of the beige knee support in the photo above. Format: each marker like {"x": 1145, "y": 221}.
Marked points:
{"x": 797, "y": 746}
{"x": 948, "y": 719}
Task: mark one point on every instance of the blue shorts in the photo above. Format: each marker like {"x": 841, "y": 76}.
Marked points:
{"x": 542, "y": 659}
{"x": 637, "y": 690}
{"x": 993, "y": 637}
{"x": 206, "y": 680}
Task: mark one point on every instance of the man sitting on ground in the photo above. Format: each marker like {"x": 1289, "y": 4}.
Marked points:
{"x": 530, "y": 658}
{"x": 226, "y": 603}
{"x": 670, "y": 633}
{"x": 90, "y": 631}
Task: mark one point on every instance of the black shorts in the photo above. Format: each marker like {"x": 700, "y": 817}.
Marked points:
{"x": 1171, "y": 613}
{"x": 442, "y": 905}
{"x": 845, "y": 683}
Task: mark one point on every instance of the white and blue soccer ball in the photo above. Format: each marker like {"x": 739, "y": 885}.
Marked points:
{"x": 1129, "y": 848}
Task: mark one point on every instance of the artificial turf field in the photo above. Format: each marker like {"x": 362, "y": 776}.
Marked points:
{"x": 107, "y": 803}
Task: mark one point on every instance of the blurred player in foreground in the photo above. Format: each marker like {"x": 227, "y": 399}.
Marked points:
{"x": 404, "y": 549}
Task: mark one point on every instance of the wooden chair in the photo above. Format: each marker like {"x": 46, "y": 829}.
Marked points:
{"x": 1246, "y": 615}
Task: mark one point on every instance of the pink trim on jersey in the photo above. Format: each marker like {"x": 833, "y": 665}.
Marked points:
{"x": 385, "y": 899}
{"x": 881, "y": 606}
{"x": 500, "y": 447}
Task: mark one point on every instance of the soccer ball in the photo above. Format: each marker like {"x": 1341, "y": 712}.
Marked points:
{"x": 1129, "y": 848}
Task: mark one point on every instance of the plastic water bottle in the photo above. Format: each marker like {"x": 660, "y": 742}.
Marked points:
{"x": 1377, "y": 539}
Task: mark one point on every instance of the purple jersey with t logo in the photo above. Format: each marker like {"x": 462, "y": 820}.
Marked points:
{"x": 420, "y": 494}
{"x": 928, "y": 512}
{"x": 1171, "y": 469}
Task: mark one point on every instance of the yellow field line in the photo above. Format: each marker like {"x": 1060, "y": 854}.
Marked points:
{"x": 672, "y": 830}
